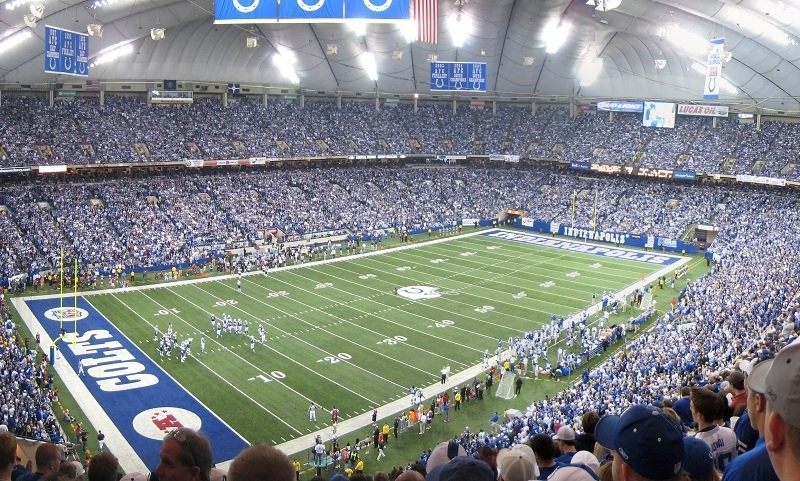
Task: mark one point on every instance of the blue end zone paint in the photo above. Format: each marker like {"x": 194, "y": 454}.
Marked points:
{"x": 140, "y": 398}
{"x": 612, "y": 252}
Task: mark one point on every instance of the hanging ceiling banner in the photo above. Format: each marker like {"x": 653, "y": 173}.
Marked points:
{"x": 714, "y": 69}
{"x": 310, "y": 11}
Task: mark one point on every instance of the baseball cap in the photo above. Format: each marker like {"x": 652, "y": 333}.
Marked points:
{"x": 649, "y": 441}
{"x": 587, "y": 458}
{"x": 517, "y": 463}
{"x": 565, "y": 433}
{"x": 698, "y": 460}
{"x": 444, "y": 452}
{"x": 462, "y": 468}
{"x": 573, "y": 472}
{"x": 783, "y": 384}
{"x": 736, "y": 379}
{"x": 757, "y": 379}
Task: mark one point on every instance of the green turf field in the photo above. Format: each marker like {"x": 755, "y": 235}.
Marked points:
{"x": 339, "y": 334}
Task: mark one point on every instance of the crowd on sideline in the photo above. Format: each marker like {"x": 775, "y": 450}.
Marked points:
{"x": 78, "y": 130}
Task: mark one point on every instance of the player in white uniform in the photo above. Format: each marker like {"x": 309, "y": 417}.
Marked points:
{"x": 312, "y": 412}
{"x": 252, "y": 344}
{"x": 203, "y": 344}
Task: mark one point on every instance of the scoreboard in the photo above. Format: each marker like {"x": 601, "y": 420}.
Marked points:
{"x": 458, "y": 76}
{"x": 66, "y": 52}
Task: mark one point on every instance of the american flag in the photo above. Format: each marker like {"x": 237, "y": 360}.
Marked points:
{"x": 426, "y": 14}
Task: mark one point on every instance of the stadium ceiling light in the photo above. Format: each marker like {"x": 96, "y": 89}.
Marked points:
{"x": 686, "y": 40}
{"x": 285, "y": 61}
{"x": 604, "y": 5}
{"x": 13, "y": 4}
{"x": 12, "y": 41}
{"x": 659, "y": 63}
{"x": 370, "y": 65}
{"x": 359, "y": 27}
{"x": 460, "y": 27}
{"x": 555, "y": 34}
{"x": 409, "y": 29}
{"x": 112, "y": 54}
{"x": 94, "y": 30}
{"x": 758, "y": 27}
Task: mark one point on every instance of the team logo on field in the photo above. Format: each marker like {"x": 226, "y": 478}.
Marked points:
{"x": 157, "y": 422}
{"x": 417, "y": 293}
{"x": 66, "y": 314}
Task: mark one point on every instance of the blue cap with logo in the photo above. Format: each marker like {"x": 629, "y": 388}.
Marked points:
{"x": 649, "y": 441}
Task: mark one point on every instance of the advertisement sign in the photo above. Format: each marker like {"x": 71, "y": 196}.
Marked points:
{"x": 620, "y": 106}
{"x": 703, "y": 110}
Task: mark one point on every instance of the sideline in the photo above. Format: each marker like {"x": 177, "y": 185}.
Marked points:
{"x": 131, "y": 462}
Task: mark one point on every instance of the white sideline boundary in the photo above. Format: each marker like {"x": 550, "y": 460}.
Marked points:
{"x": 131, "y": 462}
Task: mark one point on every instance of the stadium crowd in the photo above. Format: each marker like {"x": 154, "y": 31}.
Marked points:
{"x": 168, "y": 220}
{"x": 78, "y": 130}
{"x": 747, "y": 308}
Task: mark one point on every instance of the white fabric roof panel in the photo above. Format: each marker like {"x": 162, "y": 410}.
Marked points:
{"x": 763, "y": 68}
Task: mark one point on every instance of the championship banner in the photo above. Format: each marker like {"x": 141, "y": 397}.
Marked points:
{"x": 377, "y": 10}
{"x": 66, "y": 52}
{"x": 245, "y": 11}
{"x": 310, "y": 11}
{"x": 713, "y": 69}
{"x": 458, "y": 76}
{"x": 703, "y": 110}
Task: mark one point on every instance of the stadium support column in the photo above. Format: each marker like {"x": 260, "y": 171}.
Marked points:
{"x": 454, "y": 106}
{"x": 494, "y": 108}
{"x": 758, "y": 118}
{"x": 533, "y": 107}
{"x": 339, "y": 102}
{"x": 416, "y": 105}
{"x": 377, "y": 103}
{"x": 52, "y": 97}
{"x": 225, "y": 99}
{"x": 302, "y": 101}
{"x": 102, "y": 98}
{"x": 266, "y": 99}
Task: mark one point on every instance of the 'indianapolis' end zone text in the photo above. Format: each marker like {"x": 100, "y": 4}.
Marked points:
{"x": 617, "y": 253}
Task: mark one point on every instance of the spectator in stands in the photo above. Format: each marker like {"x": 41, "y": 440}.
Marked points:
{"x": 698, "y": 462}
{"x": 185, "y": 456}
{"x": 646, "y": 444}
{"x": 8, "y": 455}
{"x": 755, "y": 463}
{"x": 585, "y": 441}
{"x": 48, "y": 460}
{"x": 707, "y": 410}
{"x": 782, "y": 432}
{"x": 565, "y": 439}
{"x": 103, "y": 467}
{"x": 544, "y": 449}
{"x": 259, "y": 462}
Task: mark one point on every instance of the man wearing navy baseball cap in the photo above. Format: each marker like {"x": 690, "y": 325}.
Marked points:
{"x": 646, "y": 443}
{"x": 782, "y": 436}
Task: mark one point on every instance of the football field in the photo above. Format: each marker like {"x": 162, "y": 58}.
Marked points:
{"x": 354, "y": 333}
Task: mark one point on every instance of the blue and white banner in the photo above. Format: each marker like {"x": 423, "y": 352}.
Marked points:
{"x": 714, "y": 69}
{"x": 143, "y": 401}
{"x": 377, "y": 10}
{"x": 310, "y": 11}
{"x": 458, "y": 76}
{"x": 620, "y": 106}
{"x": 66, "y": 52}
{"x": 244, "y": 11}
